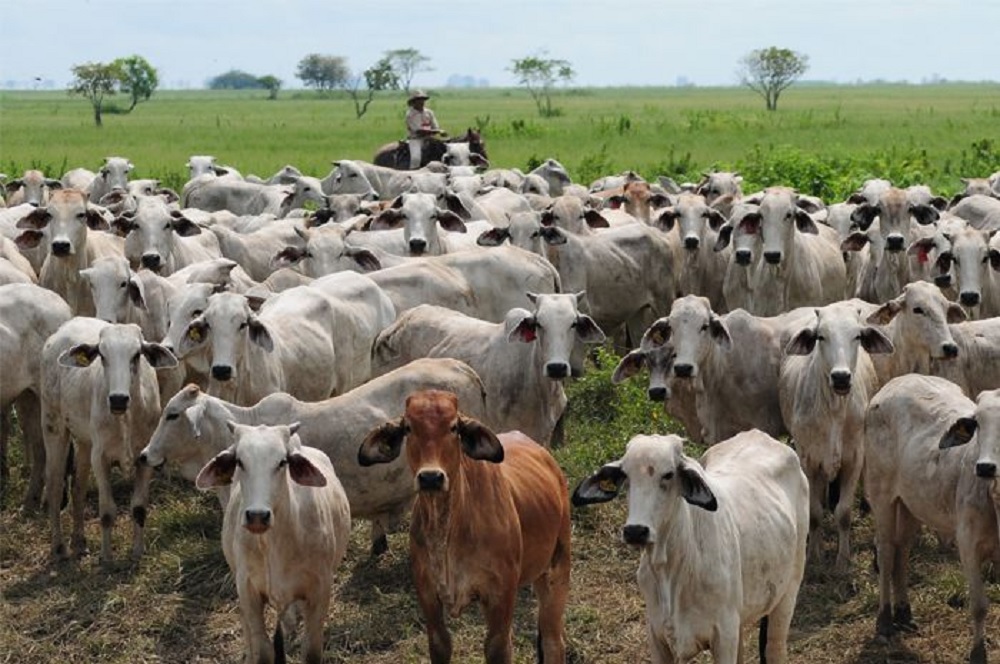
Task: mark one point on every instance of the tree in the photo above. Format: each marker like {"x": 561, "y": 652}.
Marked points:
{"x": 407, "y": 63}
{"x": 539, "y": 75}
{"x": 380, "y": 76}
{"x": 138, "y": 78}
{"x": 768, "y": 71}
{"x": 235, "y": 79}
{"x": 95, "y": 80}
{"x": 272, "y": 84}
{"x": 323, "y": 72}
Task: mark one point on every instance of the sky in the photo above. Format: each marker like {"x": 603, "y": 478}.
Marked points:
{"x": 635, "y": 43}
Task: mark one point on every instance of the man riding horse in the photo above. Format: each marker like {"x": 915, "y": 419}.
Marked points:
{"x": 423, "y": 143}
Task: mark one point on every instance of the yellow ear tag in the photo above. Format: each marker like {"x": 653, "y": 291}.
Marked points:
{"x": 194, "y": 334}
{"x": 657, "y": 338}
{"x": 81, "y": 358}
{"x": 607, "y": 486}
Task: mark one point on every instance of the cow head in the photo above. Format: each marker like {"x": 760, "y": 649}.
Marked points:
{"x": 177, "y": 434}
{"x": 556, "y": 325}
{"x": 986, "y": 423}
{"x": 66, "y": 220}
{"x": 923, "y": 314}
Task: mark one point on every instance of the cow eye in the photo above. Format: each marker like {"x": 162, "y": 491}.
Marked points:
{"x": 170, "y": 417}
{"x": 918, "y": 310}
{"x": 666, "y": 477}
{"x": 244, "y": 325}
{"x": 196, "y": 313}
{"x": 282, "y": 463}
{"x": 166, "y": 226}
{"x": 704, "y": 327}
{"x": 454, "y": 428}
{"x": 123, "y": 284}
{"x": 239, "y": 464}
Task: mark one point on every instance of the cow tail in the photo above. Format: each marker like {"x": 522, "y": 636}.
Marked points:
{"x": 762, "y": 640}
{"x": 279, "y": 645}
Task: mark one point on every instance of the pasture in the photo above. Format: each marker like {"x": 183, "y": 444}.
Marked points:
{"x": 179, "y": 603}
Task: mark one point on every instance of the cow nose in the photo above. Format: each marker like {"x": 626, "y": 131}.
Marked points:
{"x": 969, "y": 298}
{"x": 683, "y": 370}
{"x": 942, "y": 280}
{"x": 222, "y": 372}
{"x": 143, "y": 459}
{"x": 894, "y": 243}
{"x": 556, "y": 369}
{"x": 742, "y": 257}
{"x": 60, "y": 248}
{"x": 691, "y": 243}
{"x": 657, "y": 394}
{"x": 772, "y": 257}
{"x": 118, "y": 403}
{"x": 150, "y": 261}
{"x": 635, "y": 535}
{"x": 841, "y": 381}
{"x": 418, "y": 246}
{"x": 949, "y": 350}
{"x": 257, "y": 521}
{"x": 430, "y": 480}
{"x": 986, "y": 469}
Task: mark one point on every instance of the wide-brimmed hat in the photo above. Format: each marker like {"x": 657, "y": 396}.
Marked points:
{"x": 417, "y": 94}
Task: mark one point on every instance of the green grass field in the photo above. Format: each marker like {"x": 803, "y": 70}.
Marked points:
{"x": 179, "y": 604}
{"x": 822, "y": 139}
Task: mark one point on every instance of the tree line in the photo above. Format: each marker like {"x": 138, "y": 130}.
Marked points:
{"x": 768, "y": 72}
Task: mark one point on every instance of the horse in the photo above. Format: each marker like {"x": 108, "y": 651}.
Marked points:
{"x": 397, "y": 154}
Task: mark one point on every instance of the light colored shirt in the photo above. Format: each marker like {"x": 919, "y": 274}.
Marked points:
{"x": 420, "y": 120}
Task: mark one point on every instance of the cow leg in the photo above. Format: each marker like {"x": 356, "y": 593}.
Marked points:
{"x": 258, "y": 646}
{"x": 140, "y": 505}
{"x": 906, "y": 530}
{"x": 661, "y": 653}
{"x": 380, "y": 542}
{"x": 313, "y": 618}
{"x": 29, "y": 416}
{"x": 438, "y": 637}
{"x": 775, "y": 648}
{"x": 106, "y": 501}
{"x": 4, "y": 437}
{"x": 56, "y": 440}
{"x": 499, "y": 616}
{"x": 725, "y": 645}
{"x": 80, "y": 481}
{"x": 552, "y": 590}
{"x": 817, "y": 486}
{"x": 884, "y": 516}
{"x": 978, "y": 601}
{"x": 848, "y": 479}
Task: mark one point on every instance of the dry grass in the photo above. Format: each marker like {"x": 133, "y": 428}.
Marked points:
{"x": 179, "y": 604}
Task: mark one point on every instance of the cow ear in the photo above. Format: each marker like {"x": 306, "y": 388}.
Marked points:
{"x": 805, "y": 223}
{"x": 365, "y": 258}
{"x": 595, "y": 219}
{"x": 717, "y": 328}
{"x": 455, "y": 205}
{"x": 194, "y": 415}
{"x": 959, "y": 433}
{"x": 750, "y": 223}
{"x": 29, "y": 239}
{"x": 136, "y": 292}
{"x": 615, "y": 202}
{"x": 995, "y": 259}
{"x": 955, "y": 313}
{"x": 383, "y": 443}
{"x": 184, "y": 226}
{"x": 924, "y": 214}
{"x": 856, "y": 241}
{"x": 288, "y": 257}
{"x": 493, "y": 237}
{"x": 956, "y": 198}
{"x": 451, "y": 221}
{"x": 694, "y": 486}
{"x": 524, "y": 330}
{"x": 217, "y": 472}
{"x": 665, "y": 222}
{"x": 319, "y": 217}
{"x": 478, "y": 442}
{"x": 715, "y": 219}
{"x": 259, "y": 334}
{"x": 921, "y": 249}
{"x": 658, "y": 333}
{"x": 864, "y": 214}
{"x": 939, "y": 203}
{"x": 53, "y": 184}
{"x": 588, "y": 331}
{"x": 302, "y": 471}
{"x": 96, "y": 220}
{"x": 629, "y": 366}
{"x": 884, "y": 314}
{"x": 723, "y": 239}
{"x": 81, "y": 355}
{"x": 37, "y": 219}
{"x": 600, "y": 487}
{"x": 874, "y": 341}
{"x": 158, "y": 356}
{"x": 386, "y": 220}
{"x": 802, "y": 343}
{"x": 123, "y": 225}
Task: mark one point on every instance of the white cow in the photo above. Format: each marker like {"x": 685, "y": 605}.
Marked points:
{"x": 15, "y": 268}
{"x": 523, "y": 380}
{"x": 67, "y": 222}
{"x": 721, "y": 189}
{"x": 410, "y": 227}
{"x": 723, "y": 541}
{"x": 744, "y": 257}
{"x": 800, "y": 262}
{"x": 913, "y": 477}
{"x": 824, "y": 386}
{"x": 112, "y": 175}
{"x": 32, "y": 188}
{"x": 98, "y": 386}
{"x": 974, "y": 368}
{"x": 284, "y": 534}
{"x": 242, "y": 198}
{"x": 976, "y": 258}
{"x": 29, "y": 314}
{"x": 192, "y": 429}
{"x": 702, "y": 261}
{"x": 162, "y": 239}
{"x": 254, "y": 251}
{"x": 982, "y": 212}
{"x": 325, "y": 250}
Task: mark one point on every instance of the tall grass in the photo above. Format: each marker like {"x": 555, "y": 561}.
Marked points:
{"x": 823, "y": 140}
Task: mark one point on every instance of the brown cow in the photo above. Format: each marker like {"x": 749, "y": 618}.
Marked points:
{"x": 491, "y": 515}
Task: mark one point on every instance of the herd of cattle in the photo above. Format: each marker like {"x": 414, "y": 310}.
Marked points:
{"x": 280, "y": 340}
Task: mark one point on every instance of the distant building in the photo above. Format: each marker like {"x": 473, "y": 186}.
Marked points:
{"x": 466, "y": 81}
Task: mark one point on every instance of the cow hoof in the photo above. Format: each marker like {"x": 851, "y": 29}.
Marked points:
{"x": 379, "y": 546}
{"x": 883, "y": 624}
{"x": 978, "y": 654}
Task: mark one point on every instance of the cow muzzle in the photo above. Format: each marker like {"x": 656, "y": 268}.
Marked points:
{"x": 942, "y": 281}
{"x": 144, "y": 460}
{"x": 151, "y": 261}
{"x": 61, "y": 248}
{"x": 418, "y": 247}
{"x": 432, "y": 479}
{"x": 691, "y": 243}
{"x": 772, "y": 257}
{"x": 949, "y": 351}
{"x": 840, "y": 381}
{"x": 684, "y": 370}
{"x": 222, "y": 372}
{"x": 969, "y": 298}
{"x": 894, "y": 243}
{"x": 635, "y": 535}
{"x": 118, "y": 403}
{"x": 986, "y": 469}
{"x": 742, "y": 257}
{"x": 658, "y": 393}
{"x": 257, "y": 521}
{"x": 557, "y": 370}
